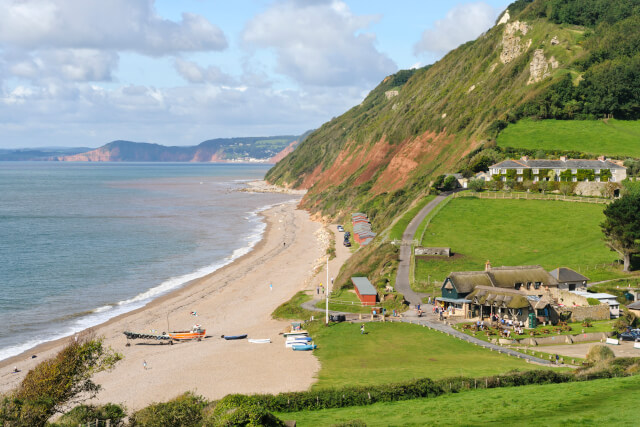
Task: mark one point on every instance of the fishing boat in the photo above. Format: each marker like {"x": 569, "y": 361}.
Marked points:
{"x": 196, "y": 333}
{"x": 304, "y": 347}
{"x": 143, "y": 336}
{"x": 259, "y": 340}
{"x": 296, "y": 333}
{"x": 234, "y": 337}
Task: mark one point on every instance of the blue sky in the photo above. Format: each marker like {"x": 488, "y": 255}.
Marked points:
{"x": 86, "y": 72}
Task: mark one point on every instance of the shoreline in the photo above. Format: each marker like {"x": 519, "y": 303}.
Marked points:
{"x": 45, "y": 346}
{"x": 229, "y": 284}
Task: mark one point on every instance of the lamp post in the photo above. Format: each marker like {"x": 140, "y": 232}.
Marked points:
{"x": 326, "y": 320}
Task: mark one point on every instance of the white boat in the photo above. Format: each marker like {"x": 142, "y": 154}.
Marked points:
{"x": 291, "y": 344}
{"x": 259, "y": 340}
{"x": 295, "y": 333}
{"x": 299, "y": 338}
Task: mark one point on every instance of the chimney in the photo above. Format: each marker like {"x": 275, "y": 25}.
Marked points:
{"x": 563, "y": 158}
{"x": 487, "y": 266}
{"x": 602, "y": 158}
{"x": 525, "y": 158}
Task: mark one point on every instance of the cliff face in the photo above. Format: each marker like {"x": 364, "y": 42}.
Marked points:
{"x": 418, "y": 124}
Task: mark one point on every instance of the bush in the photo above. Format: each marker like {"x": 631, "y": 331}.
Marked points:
{"x": 599, "y": 353}
{"x": 83, "y": 414}
{"x": 593, "y": 301}
{"x": 242, "y": 414}
{"x": 184, "y": 410}
{"x": 56, "y": 381}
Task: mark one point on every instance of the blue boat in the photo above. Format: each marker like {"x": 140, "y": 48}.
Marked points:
{"x": 234, "y": 337}
{"x": 304, "y": 347}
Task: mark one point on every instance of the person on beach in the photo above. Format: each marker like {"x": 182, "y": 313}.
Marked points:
{"x": 144, "y": 364}
{"x": 270, "y": 286}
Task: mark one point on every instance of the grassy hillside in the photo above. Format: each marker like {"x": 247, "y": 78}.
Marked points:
{"x": 393, "y": 352}
{"x": 416, "y": 124}
{"x": 516, "y": 232}
{"x": 609, "y": 137}
{"x": 599, "y": 402}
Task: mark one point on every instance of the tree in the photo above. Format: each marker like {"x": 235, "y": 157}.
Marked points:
{"x": 449, "y": 183}
{"x": 476, "y": 185}
{"x": 621, "y": 226}
{"x": 57, "y": 382}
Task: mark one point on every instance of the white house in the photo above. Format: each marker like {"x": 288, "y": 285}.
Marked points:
{"x": 563, "y": 169}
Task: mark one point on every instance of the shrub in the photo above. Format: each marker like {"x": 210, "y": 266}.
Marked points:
{"x": 184, "y": 410}
{"x": 599, "y": 353}
{"x": 55, "y": 382}
{"x": 242, "y": 414}
{"x": 83, "y": 414}
{"x": 593, "y": 301}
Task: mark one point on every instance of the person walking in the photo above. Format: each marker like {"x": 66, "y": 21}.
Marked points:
{"x": 362, "y": 329}
{"x": 144, "y": 364}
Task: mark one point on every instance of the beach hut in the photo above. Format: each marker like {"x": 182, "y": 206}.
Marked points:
{"x": 365, "y": 290}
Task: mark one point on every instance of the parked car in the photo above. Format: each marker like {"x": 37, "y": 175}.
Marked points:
{"x": 340, "y": 228}
{"x": 631, "y": 335}
{"x": 347, "y": 234}
{"x": 347, "y": 243}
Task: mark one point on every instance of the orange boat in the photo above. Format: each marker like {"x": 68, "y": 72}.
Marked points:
{"x": 196, "y": 333}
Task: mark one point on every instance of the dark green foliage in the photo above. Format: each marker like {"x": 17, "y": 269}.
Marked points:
{"x": 590, "y": 13}
{"x": 449, "y": 183}
{"x": 84, "y": 414}
{"x": 56, "y": 382}
{"x": 241, "y": 410}
{"x": 622, "y": 226}
{"x": 184, "y": 410}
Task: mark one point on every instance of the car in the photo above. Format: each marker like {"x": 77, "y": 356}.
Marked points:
{"x": 340, "y": 228}
{"x": 347, "y": 234}
{"x": 347, "y": 243}
{"x": 631, "y": 335}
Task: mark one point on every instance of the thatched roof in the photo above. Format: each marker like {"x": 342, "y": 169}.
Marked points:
{"x": 488, "y": 295}
{"x": 501, "y": 277}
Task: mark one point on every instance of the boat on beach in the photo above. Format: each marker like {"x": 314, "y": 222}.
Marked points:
{"x": 259, "y": 340}
{"x": 234, "y": 337}
{"x": 296, "y": 333}
{"x": 196, "y": 333}
{"x": 304, "y": 347}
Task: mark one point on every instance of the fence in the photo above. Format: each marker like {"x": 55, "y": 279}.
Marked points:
{"x": 532, "y": 196}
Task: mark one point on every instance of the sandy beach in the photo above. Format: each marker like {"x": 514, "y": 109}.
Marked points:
{"x": 236, "y": 299}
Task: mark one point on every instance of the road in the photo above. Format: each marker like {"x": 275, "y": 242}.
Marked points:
{"x": 403, "y": 284}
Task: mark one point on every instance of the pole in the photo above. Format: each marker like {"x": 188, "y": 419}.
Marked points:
{"x": 326, "y": 320}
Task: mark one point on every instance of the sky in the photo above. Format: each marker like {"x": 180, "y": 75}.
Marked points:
{"x": 82, "y": 73}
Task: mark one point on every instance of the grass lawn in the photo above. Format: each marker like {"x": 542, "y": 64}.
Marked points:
{"x": 613, "y": 138}
{"x": 393, "y": 352}
{"x": 291, "y": 309}
{"x": 517, "y": 232}
{"x": 344, "y": 300}
{"x": 398, "y": 228}
{"x": 598, "y": 403}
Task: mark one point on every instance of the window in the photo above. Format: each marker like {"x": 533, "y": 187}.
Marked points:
{"x": 496, "y": 170}
{"x": 517, "y": 286}
{"x": 537, "y": 285}
{"x": 535, "y": 179}
{"x": 597, "y": 179}
{"x": 519, "y": 179}
{"x": 574, "y": 179}
{"x": 528, "y": 285}
{"x": 613, "y": 179}
{"x": 519, "y": 172}
{"x": 536, "y": 171}
{"x": 597, "y": 170}
{"x": 557, "y": 171}
{"x": 574, "y": 171}
{"x": 504, "y": 178}
{"x": 503, "y": 171}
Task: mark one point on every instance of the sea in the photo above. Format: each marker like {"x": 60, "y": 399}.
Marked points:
{"x": 81, "y": 243}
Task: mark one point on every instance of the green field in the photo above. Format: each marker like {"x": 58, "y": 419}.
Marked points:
{"x": 613, "y": 138}
{"x": 517, "y": 232}
{"x": 394, "y": 352}
{"x": 600, "y": 402}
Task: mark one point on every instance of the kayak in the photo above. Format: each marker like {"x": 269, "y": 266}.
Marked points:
{"x": 296, "y": 333}
{"x": 304, "y": 347}
{"x": 260, "y": 340}
{"x": 300, "y": 338}
{"x": 234, "y": 337}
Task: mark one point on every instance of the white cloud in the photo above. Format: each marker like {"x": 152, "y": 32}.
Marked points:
{"x": 66, "y": 64}
{"x": 320, "y": 43}
{"x": 463, "y": 23}
{"x": 194, "y": 73}
{"x": 131, "y": 25}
